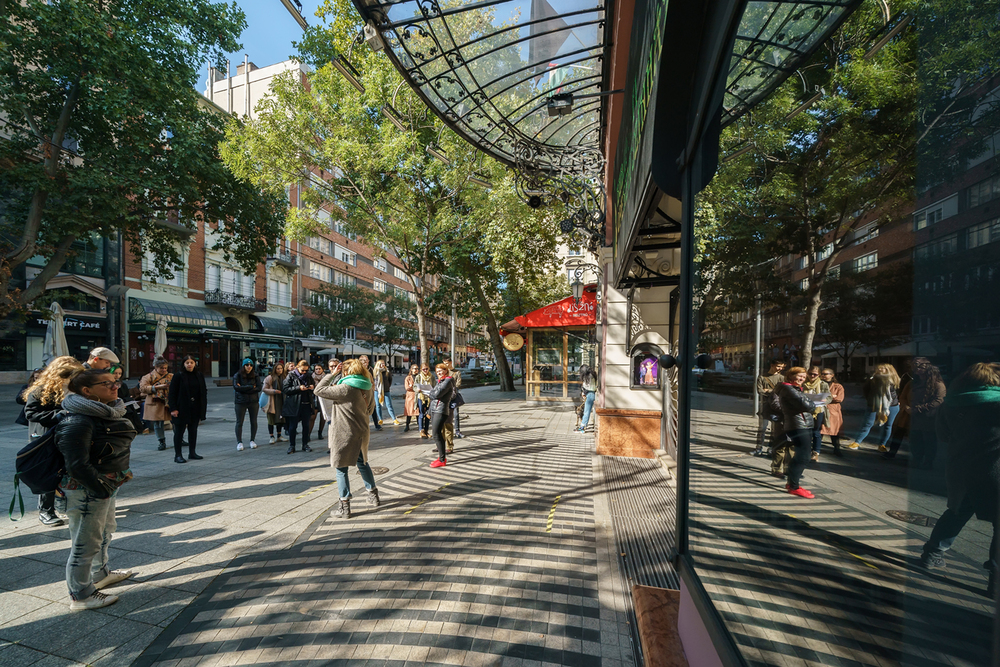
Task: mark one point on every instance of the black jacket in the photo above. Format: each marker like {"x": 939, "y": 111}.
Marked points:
{"x": 247, "y": 391}
{"x": 297, "y": 399}
{"x": 442, "y": 395}
{"x": 179, "y": 398}
{"x": 41, "y": 417}
{"x": 94, "y": 447}
{"x": 796, "y": 407}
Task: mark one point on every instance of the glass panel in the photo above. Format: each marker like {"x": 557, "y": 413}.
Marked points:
{"x": 580, "y": 351}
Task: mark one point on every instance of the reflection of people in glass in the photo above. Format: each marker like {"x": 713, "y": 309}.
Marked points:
{"x": 588, "y": 385}
{"x": 927, "y": 393}
{"x": 969, "y": 422}
{"x": 834, "y": 416}
{"x": 881, "y": 393}
{"x": 765, "y": 386}
{"x": 798, "y": 424}
{"x": 815, "y": 385}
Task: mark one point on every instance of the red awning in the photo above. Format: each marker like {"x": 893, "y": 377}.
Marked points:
{"x": 565, "y": 313}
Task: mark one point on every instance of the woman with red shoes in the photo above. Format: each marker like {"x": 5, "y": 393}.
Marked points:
{"x": 798, "y": 423}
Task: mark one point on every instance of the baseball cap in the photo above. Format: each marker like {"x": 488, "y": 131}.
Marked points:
{"x": 104, "y": 353}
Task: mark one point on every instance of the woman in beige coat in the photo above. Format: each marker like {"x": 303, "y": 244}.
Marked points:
{"x": 154, "y": 387}
{"x": 275, "y": 401}
{"x": 351, "y": 402}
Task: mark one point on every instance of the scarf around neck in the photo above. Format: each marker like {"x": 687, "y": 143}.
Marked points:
{"x": 356, "y": 381}
{"x": 977, "y": 396}
{"x": 80, "y": 405}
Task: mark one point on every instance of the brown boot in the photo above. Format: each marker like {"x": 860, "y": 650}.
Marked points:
{"x": 423, "y": 434}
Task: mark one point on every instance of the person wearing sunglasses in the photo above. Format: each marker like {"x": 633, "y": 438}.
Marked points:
{"x": 815, "y": 385}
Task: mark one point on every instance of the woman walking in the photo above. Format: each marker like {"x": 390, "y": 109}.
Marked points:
{"x": 927, "y": 395}
{"x": 188, "y": 401}
{"x": 441, "y": 396}
{"x": 410, "y": 402}
{"x": 834, "y": 414}
{"x": 272, "y": 387}
{"x": 814, "y": 384}
{"x": 588, "y": 385}
{"x": 351, "y": 402}
{"x": 95, "y": 440}
{"x": 798, "y": 424}
{"x": 298, "y": 404}
{"x": 42, "y": 405}
{"x": 881, "y": 392}
{"x": 969, "y": 422}
{"x": 247, "y": 387}
{"x": 425, "y": 378}
{"x": 382, "y": 379}
{"x": 155, "y": 387}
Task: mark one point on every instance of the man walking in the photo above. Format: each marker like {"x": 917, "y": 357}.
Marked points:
{"x": 765, "y": 386}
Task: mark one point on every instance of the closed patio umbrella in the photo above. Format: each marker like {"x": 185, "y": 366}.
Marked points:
{"x": 55, "y": 336}
{"x": 160, "y": 341}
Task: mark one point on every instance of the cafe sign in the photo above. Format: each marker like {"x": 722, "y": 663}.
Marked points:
{"x": 72, "y": 324}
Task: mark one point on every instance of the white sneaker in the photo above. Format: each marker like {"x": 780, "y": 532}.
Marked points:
{"x": 114, "y": 577}
{"x": 270, "y": 440}
{"x": 280, "y": 438}
{"x": 95, "y": 601}
{"x": 239, "y": 446}
{"x": 253, "y": 445}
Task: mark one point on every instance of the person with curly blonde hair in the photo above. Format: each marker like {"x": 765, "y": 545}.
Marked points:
{"x": 42, "y": 408}
{"x": 881, "y": 393}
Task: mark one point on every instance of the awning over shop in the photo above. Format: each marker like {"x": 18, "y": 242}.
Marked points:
{"x": 273, "y": 325}
{"x": 181, "y": 318}
{"x": 564, "y": 313}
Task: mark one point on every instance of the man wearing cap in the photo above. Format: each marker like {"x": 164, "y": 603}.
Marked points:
{"x": 101, "y": 359}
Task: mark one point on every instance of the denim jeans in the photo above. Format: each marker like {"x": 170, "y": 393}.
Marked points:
{"x": 158, "y": 430}
{"x": 424, "y": 418}
{"x": 817, "y": 434}
{"x": 870, "y": 422}
{"x": 344, "y": 483}
{"x": 91, "y": 524}
{"x": 388, "y": 405}
{"x": 588, "y": 405}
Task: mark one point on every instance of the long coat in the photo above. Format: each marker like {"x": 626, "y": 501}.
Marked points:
{"x": 835, "y": 415}
{"x": 155, "y": 409}
{"x": 190, "y": 406}
{"x": 973, "y": 436}
{"x": 410, "y": 406}
{"x": 275, "y": 396}
{"x": 350, "y": 409}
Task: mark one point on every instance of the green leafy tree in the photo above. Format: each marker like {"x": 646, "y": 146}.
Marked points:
{"x": 103, "y": 132}
{"x": 374, "y": 175}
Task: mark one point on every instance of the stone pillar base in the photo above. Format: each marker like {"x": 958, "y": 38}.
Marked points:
{"x": 633, "y": 433}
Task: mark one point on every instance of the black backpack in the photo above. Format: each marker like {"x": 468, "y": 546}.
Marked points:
{"x": 40, "y": 466}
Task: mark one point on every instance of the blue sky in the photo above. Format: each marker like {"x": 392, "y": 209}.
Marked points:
{"x": 269, "y": 33}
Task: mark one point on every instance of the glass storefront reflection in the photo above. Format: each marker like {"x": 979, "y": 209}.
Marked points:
{"x": 850, "y": 518}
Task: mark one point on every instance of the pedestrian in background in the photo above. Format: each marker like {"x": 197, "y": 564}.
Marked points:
{"x": 969, "y": 423}
{"x": 101, "y": 358}
{"x": 588, "y": 385}
{"x": 441, "y": 400}
{"x": 131, "y": 406}
{"x": 155, "y": 387}
{"x": 410, "y": 400}
{"x": 42, "y": 407}
{"x": 814, "y": 384}
{"x": 247, "y": 386}
{"x": 20, "y": 398}
{"x": 351, "y": 401}
{"x": 454, "y": 430}
{"x": 927, "y": 395}
{"x": 382, "y": 379}
{"x": 798, "y": 424}
{"x": 834, "y": 413}
{"x": 881, "y": 392}
{"x": 765, "y": 386}
{"x": 273, "y": 388}
{"x": 318, "y": 414}
{"x": 188, "y": 401}
{"x": 334, "y": 368}
{"x": 95, "y": 440}
{"x": 298, "y": 404}
{"x": 425, "y": 378}
{"x": 375, "y": 418}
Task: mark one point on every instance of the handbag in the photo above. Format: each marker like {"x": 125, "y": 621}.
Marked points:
{"x": 263, "y": 401}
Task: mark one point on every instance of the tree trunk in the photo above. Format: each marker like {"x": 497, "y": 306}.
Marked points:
{"x": 421, "y": 321}
{"x": 812, "y": 316}
{"x": 503, "y": 368}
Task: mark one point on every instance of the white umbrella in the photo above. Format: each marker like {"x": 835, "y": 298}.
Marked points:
{"x": 55, "y": 335}
{"x": 160, "y": 341}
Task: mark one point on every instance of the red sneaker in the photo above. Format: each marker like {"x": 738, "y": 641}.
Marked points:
{"x": 799, "y": 492}
{"x": 440, "y": 463}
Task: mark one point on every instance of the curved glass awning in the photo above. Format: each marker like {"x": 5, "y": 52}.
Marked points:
{"x": 519, "y": 79}
{"x": 773, "y": 40}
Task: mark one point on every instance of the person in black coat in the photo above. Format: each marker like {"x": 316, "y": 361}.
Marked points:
{"x": 188, "y": 401}
{"x": 297, "y": 408}
{"x": 798, "y": 424}
{"x": 969, "y": 422}
{"x": 247, "y": 385}
{"x": 440, "y": 409}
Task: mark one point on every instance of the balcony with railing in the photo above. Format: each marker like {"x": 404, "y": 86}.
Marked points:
{"x": 285, "y": 258}
{"x": 217, "y": 297}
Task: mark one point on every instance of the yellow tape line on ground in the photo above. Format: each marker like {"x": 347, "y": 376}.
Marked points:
{"x": 437, "y": 490}
{"x": 318, "y": 488}
{"x": 552, "y": 515}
